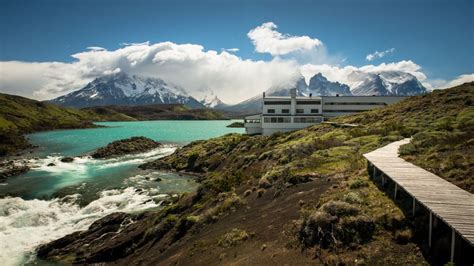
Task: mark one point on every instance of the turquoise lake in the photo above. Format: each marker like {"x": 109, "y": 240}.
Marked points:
{"x": 55, "y": 198}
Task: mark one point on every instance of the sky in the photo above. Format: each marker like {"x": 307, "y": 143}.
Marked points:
{"x": 234, "y": 49}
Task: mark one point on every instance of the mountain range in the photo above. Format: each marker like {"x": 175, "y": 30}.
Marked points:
{"x": 124, "y": 89}
{"x": 395, "y": 83}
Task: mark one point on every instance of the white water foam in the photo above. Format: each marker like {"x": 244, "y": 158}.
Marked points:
{"x": 25, "y": 224}
{"x": 80, "y": 166}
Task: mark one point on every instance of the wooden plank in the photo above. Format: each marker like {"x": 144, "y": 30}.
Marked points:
{"x": 445, "y": 200}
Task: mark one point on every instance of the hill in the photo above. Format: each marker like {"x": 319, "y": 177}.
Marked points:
{"x": 19, "y": 115}
{"x": 297, "y": 198}
{"x": 156, "y": 112}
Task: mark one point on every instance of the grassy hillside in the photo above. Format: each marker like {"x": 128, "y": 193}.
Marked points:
{"x": 19, "y": 115}
{"x": 298, "y": 198}
{"x": 158, "y": 112}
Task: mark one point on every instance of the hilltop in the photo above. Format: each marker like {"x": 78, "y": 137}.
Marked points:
{"x": 300, "y": 198}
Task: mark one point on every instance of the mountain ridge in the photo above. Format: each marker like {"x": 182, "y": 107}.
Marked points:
{"x": 125, "y": 89}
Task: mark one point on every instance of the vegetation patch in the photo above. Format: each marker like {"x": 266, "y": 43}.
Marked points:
{"x": 233, "y": 238}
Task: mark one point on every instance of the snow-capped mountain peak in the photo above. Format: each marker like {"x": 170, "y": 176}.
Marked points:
{"x": 124, "y": 89}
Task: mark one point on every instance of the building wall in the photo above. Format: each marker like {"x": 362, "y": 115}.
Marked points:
{"x": 345, "y": 105}
{"x": 327, "y": 106}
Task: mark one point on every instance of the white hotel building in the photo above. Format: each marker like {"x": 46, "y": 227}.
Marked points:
{"x": 283, "y": 114}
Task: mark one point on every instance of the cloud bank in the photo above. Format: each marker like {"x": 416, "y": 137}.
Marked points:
{"x": 196, "y": 69}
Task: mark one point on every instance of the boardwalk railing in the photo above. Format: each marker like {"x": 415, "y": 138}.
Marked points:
{"x": 442, "y": 199}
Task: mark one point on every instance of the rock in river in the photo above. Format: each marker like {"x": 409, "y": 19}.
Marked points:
{"x": 126, "y": 146}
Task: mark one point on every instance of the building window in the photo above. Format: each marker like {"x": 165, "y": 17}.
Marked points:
{"x": 307, "y": 120}
{"x": 285, "y": 111}
{"x": 308, "y": 102}
{"x": 271, "y": 111}
{"x": 315, "y": 111}
{"x": 300, "y": 111}
{"x": 277, "y": 120}
{"x": 277, "y": 102}
{"x": 252, "y": 121}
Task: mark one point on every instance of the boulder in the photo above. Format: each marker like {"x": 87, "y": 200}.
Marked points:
{"x": 126, "y": 146}
{"x": 67, "y": 160}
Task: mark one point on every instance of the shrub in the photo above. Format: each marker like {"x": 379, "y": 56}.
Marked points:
{"x": 403, "y": 236}
{"x": 355, "y": 229}
{"x": 340, "y": 208}
{"x": 407, "y": 149}
{"x": 316, "y": 229}
{"x": 353, "y": 198}
{"x": 358, "y": 183}
{"x": 233, "y": 238}
{"x": 264, "y": 182}
{"x": 247, "y": 192}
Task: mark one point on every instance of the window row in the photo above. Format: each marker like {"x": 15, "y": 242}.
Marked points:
{"x": 252, "y": 121}
{"x": 295, "y": 120}
{"x": 298, "y": 111}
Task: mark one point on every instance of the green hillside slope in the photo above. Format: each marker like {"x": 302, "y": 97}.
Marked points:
{"x": 19, "y": 115}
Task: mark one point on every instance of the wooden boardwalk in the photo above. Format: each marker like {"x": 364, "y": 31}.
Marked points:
{"x": 446, "y": 201}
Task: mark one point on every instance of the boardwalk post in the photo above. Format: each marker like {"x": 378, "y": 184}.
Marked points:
{"x": 374, "y": 173}
{"x": 430, "y": 229}
{"x": 414, "y": 207}
{"x": 453, "y": 240}
{"x": 395, "y": 193}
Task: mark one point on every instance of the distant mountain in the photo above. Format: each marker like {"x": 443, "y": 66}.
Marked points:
{"x": 321, "y": 86}
{"x": 387, "y": 83}
{"x": 213, "y": 102}
{"x": 124, "y": 89}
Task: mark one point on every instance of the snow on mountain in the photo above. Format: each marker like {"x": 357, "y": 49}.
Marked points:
{"x": 386, "y": 83}
{"x": 358, "y": 83}
{"x": 321, "y": 86}
{"x": 212, "y": 101}
{"x": 124, "y": 89}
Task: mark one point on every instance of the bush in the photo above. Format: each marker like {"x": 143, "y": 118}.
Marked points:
{"x": 353, "y": 198}
{"x": 403, "y": 236}
{"x": 358, "y": 183}
{"x": 340, "y": 208}
{"x": 355, "y": 229}
{"x": 316, "y": 229}
{"x": 264, "y": 182}
{"x": 233, "y": 238}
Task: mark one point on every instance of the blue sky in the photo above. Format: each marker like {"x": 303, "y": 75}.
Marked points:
{"x": 436, "y": 35}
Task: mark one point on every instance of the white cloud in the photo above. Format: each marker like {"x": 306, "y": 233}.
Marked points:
{"x": 444, "y": 84}
{"x": 187, "y": 65}
{"x": 232, "y": 50}
{"x": 95, "y": 48}
{"x": 267, "y": 40}
{"x": 377, "y": 54}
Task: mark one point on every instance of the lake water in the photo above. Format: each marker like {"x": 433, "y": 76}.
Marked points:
{"x": 51, "y": 201}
